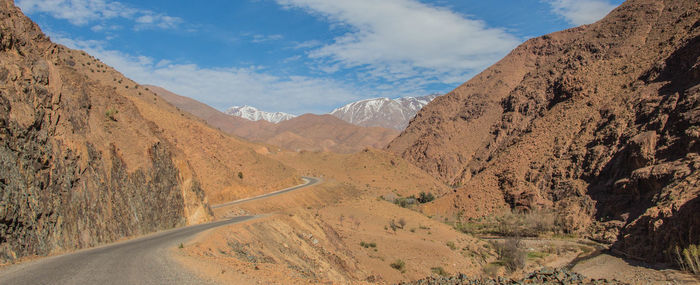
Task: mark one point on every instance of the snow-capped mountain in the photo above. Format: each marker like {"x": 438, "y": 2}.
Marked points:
{"x": 383, "y": 112}
{"x": 253, "y": 114}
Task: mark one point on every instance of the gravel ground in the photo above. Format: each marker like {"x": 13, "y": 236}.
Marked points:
{"x": 544, "y": 276}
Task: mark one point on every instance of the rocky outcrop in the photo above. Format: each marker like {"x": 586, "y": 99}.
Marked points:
{"x": 544, "y": 276}
{"x": 71, "y": 176}
{"x": 599, "y": 123}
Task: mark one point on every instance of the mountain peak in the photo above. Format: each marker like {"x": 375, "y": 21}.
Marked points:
{"x": 383, "y": 112}
{"x": 254, "y": 114}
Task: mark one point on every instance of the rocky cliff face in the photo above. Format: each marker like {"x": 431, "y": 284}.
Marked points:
{"x": 71, "y": 174}
{"x": 599, "y": 122}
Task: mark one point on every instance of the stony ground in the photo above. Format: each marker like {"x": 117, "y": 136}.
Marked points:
{"x": 544, "y": 276}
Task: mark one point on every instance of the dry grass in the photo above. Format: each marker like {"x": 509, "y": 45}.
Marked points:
{"x": 688, "y": 259}
{"x": 515, "y": 224}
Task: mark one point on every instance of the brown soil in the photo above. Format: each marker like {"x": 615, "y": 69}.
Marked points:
{"x": 598, "y": 122}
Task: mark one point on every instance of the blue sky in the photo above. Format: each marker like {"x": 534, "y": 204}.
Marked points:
{"x": 300, "y": 56}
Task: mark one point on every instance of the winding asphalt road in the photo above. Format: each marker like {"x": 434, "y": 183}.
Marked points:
{"x": 144, "y": 260}
{"x": 309, "y": 181}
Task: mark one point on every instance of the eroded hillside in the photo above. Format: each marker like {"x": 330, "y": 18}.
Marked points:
{"x": 88, "y": 156}
{"x": 599, "y": 122}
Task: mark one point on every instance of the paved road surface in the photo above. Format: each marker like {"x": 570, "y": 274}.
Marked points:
{"x": 143, "y": 260}
{"x": 309, "y": 181}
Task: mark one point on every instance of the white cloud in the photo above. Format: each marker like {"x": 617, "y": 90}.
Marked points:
{"x": 402, "y": 39}
{"x": 225, "y": 87}
{"x": 83, "y": 12}
{"x": 257, "y": 38}
{"x": 581, "y": 12}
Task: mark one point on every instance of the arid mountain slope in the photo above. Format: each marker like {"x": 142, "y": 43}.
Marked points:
{"x": 307, "y": 132}
{"x": 215, "y": 118}
{"x": 88, "y": 157}
{"x": 328, "y": 133}
{"x": 599, "y": 122}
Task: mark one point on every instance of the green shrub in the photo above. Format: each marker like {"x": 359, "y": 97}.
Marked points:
{"x": 110, "y": 114}
{"x": 368, "y": 244}
{"x": 240, "y": 175}
{"x": 451, "y": 245}
{"x": 425, "y": 197}
{"x": 405, "y": 202}
{"x": 399, "y": 265}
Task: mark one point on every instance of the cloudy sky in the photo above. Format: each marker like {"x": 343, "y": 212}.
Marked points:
{"x": 300, "y": 56}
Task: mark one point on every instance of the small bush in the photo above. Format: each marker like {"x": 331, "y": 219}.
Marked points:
{"x": 402, "y": 223}
{"x": 688, "y": 259}
{"x": 451, "y": 245}
{"x": 511, "y": 254}
{"x": 240, "y": 175}
{"x": 405, "y": 202}
{"x": 399, "y": 265}
{"x": 393, "y": 225}
{"x": 368, "y": 244}
{"x": 181, "y": 246}
{"x": 110, "y": 113}
{"x": 439, "y": 271}
{"x": 425, "y": 197}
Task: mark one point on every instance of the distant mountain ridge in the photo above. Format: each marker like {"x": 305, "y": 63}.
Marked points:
{"x": 375, "y": 112}
{"x": 383, "y": 112}
{"x": 254, "y": 114}
{"x": 306, "y": 132}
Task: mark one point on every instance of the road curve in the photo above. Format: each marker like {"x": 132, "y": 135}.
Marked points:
{"x": 309, "y": 181}
{"x": 143, "y": 260}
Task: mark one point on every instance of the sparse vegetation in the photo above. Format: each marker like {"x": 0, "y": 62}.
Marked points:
{"x": 402, "y": 223}
{"x": 393, "y": 226}
{"x": 424, "y": 197}
{"x": 439, "y": 271}
{"x": 368, "y": 244}
{"x": 240, "y": 175}
{"x": 110, "y": 113}
{"x": 511, "y": 254}
{"x": 181, "y": 246}
{"x": 451, "y": 245}
{"x": 531, "y": 224}
{"x": 688, "y": 259}
{"x": 405, "y": 202}
{"x": 536, "y": 254}
{"x": 399, "y": 265}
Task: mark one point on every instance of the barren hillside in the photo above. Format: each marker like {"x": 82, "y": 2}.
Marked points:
{"x": 88, "y": 156}
{"x": 599, "y": 122}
